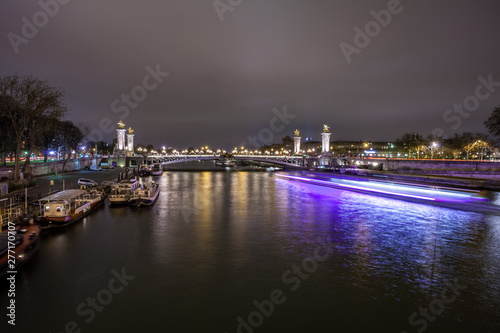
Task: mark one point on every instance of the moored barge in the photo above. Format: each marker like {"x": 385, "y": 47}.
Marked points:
{"x": 66, "y": 207}
{"x": 18, "y": 246}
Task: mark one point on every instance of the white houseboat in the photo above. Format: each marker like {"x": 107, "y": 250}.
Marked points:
{"x": 122, "y": 192}
{"x": 65, "y": 207}
{"x": 157, "y": 169}
{"x": 145, "y": 195}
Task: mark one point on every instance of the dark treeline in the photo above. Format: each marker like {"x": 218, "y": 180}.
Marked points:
{"x": 32, "y": 120}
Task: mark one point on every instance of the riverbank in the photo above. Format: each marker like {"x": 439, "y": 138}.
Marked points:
{"x": 38, "y": 168}
{"x": 67, "y": 180}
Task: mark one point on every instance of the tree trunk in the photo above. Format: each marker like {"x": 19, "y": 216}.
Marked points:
{"x": 16, "y": 164}
{"x": 26, "y": 162}
{"x": 45, "y": 157}
{"x": 4, "y": 159}
{"x": 64, "y": 163}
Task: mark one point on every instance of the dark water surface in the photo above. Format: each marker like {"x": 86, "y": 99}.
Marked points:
{"x": 216, "y": 242}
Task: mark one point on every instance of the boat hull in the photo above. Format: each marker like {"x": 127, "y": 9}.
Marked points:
{"x": 118, "y": 201}
{"x": 63, "y": 221}
{"x": 149, "y": 200}
{"x": 24, "y": 252}
{"x": 134, "y": 201}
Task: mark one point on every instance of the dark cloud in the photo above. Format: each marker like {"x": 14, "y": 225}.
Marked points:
{"x": 226, "y": 77}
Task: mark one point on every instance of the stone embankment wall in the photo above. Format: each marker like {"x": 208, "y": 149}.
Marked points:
{"x": 49, "y": 168}
{"x": 474, "y": 166}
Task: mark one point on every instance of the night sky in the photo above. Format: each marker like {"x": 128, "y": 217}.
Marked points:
{"x": 226, "y": 76}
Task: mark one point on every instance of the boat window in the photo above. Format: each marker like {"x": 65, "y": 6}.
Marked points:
{"x": 59, "y": 208}
{"x": 47, "y": 208}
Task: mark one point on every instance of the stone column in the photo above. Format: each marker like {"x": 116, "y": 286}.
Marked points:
{"x": 296, "y": 144}
{"x": 130, "y": 142}
{"x": 325, "y": 139}
{"x": 120, "y": 139}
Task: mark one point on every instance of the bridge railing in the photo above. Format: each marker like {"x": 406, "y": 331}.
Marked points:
{"x": 285, "y": 160}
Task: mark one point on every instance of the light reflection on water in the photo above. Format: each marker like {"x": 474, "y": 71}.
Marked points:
{"x": 214, "y": 242}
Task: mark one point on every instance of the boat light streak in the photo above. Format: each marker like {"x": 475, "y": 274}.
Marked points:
{"x": 414, "y": 188}
{"x": 388, "y": 192}
{"x": 367, "y": 189}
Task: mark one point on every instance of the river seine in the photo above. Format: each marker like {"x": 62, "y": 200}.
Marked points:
{"x": 251, "y": 252}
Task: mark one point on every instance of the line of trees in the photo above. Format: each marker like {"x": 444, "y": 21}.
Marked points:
{"x": 32, "y": 119}
{"x": 458, "y": 146}
{"x": 466, "y": 143}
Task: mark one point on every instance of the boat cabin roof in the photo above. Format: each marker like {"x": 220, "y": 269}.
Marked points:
{"x": 66, "y": 195}
{"x": 128, "y": 181}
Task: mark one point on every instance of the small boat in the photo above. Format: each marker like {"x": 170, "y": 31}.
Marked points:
{"x": 94, "y": 197}
{"x": 225, "y": 163}
{"x": 157, "y": 169}
{"x": 146, "y": 195}
{"x": 122, "y": 192}
{"x": 66, "y": 207}
{"x": 144, "y": 170}
{"x": 23, "y": 240}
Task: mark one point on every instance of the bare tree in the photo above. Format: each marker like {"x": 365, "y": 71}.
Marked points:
{"x": 25, "y": 101}
{"x": 7, "y": 142}
{"x": 409, "y": 142}
{"x": 47, "y": 137}
{"x": 493, "y": 122}
{"x": 71, "y": 136}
